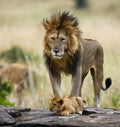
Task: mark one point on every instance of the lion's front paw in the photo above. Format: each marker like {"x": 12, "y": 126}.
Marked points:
{"x": 63, "y": 113}
{"x": 79, "y": 112}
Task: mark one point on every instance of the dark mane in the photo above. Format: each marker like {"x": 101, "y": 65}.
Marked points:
{"x": 60, "y": 21}
{"x": 65, "y": 17}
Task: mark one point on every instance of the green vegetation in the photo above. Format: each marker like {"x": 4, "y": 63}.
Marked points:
{"x": 5, "y": 90}
{"x": 116, "y": 101}
{"x": 17, "y": 54}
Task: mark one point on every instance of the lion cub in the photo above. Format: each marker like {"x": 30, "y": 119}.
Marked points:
{"x": 67, "y": 105}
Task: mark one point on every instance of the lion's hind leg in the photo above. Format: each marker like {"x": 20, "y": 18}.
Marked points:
{"x": 97, "y": 76}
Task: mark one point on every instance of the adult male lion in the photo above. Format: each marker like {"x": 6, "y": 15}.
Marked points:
{"x": 65, "y": 51}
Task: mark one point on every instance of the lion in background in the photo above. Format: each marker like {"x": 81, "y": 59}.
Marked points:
{"x": 16, "y": 74}
{"x": 66, "y": 51}
{"x": 67, "y": 105}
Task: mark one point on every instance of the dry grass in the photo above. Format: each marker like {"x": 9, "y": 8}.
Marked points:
{"x": 21, "y": 25}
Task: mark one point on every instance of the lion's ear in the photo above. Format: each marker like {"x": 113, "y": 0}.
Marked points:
{"x": 60, "y": 101}
{"x": 51, "y": 99}
{"x": 46, "y": 24}
{"x": 74, "y": 23}
{"x": 85, "y": 103}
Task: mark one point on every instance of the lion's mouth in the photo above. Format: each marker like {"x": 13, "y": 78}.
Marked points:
{"x": 58, "y": 56}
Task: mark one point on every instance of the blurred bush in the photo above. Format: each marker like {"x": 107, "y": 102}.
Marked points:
{"x": 116, "y": 101}
{"x": 17, "y": 54}
{"x": 5, "y": 90}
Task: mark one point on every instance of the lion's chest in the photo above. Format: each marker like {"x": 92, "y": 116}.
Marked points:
{"x": 61, "y": 65}
{"x": 65, "y": 65}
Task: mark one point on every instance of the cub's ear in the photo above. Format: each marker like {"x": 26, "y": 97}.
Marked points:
{"x": 60, "y": 101}
{"x": 46, "y": 24}
{"x": 51, "y": 98}
{"x": 85, "y": 103}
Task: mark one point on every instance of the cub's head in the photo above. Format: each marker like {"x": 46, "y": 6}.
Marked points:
{"x": 55, "y": 104}
{"x": 81, "y": 102}
{"x": 62, "y": 35}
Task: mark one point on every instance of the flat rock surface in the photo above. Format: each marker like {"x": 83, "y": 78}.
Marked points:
{"x": 25, "y": 117}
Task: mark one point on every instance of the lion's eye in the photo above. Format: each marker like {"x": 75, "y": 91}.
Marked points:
{"x": 52, "y": 38}
{"x": 62, "y": 39}
{"x": 54, "y": 104}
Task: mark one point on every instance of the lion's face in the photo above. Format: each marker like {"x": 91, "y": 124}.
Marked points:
{"x": 62, "y": 35}
{"x": 57, "y": 41}
{"x": 55, "y": 104}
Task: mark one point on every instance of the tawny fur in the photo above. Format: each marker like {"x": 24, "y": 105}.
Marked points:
{"x": 67, "y": 105}
{"x": 66, "y": 51}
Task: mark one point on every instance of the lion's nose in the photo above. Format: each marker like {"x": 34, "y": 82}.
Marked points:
{"x": 56, "y": 51}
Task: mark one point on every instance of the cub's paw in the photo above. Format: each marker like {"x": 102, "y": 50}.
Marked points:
{"x": 63, "y": 113}
{"x": 79, "y": 112}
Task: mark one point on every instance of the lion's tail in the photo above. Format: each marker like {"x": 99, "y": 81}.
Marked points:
{"x": 108, "y": 83}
